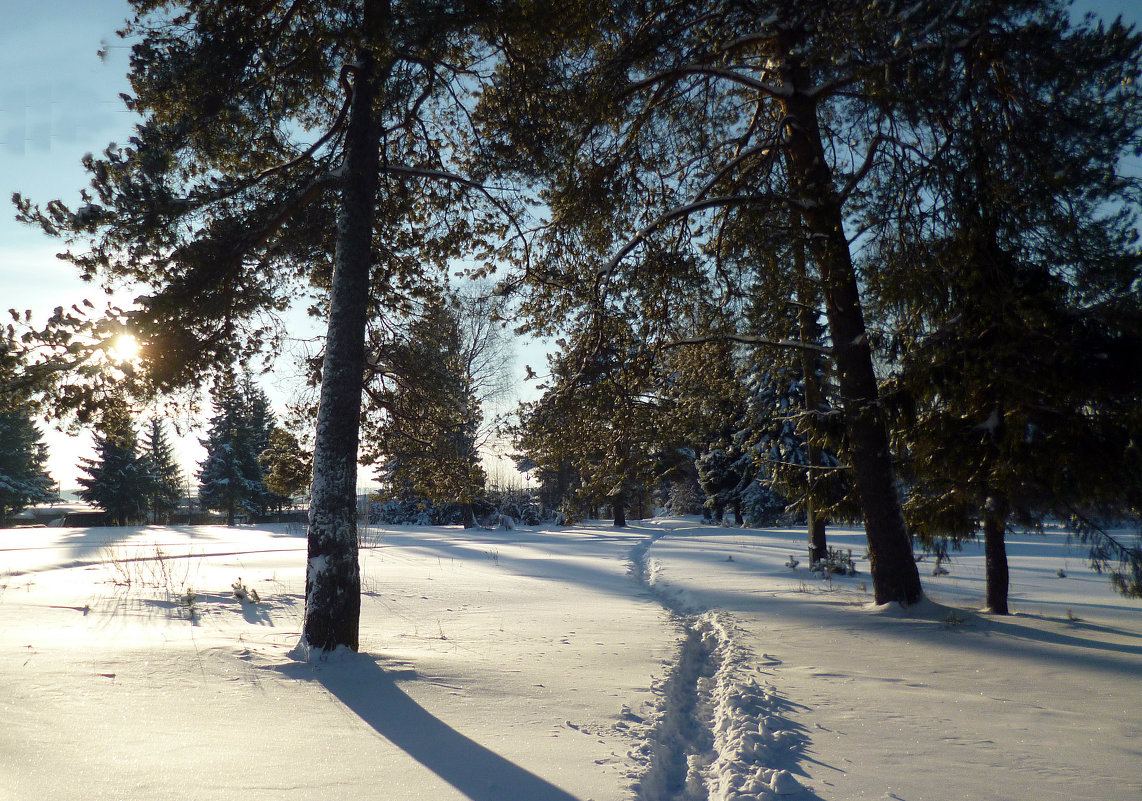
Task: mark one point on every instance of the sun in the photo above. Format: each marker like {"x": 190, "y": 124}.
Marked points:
{"x": 124, "y": 348}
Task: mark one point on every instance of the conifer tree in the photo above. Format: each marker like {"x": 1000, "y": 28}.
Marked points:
{"x": 164, "y": 479}
{"x": 280, "y": 143}
{"x": 231, "y": 479}
{"x": 24, "y": 479}
{"x": 288, "y": 467}
{"x": 1014, "y": 294}
{"x": 425, "y": 415}
{"x": 596, "y": 416}
{"x": 681, "y": 111}
{"x": 117, "y": 478}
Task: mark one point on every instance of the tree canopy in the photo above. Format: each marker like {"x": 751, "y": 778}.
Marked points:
{"x": 945, "y": 186}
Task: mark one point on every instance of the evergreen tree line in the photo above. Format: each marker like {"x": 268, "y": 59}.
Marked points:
{"x": 24, "y": 479}
{"x": 131, "y": 481}
{"x": 919, "y": 218}
{"x": 251, "y": 466}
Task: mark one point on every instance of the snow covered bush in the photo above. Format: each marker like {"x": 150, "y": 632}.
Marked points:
{"x": 761, "y": 506}
{"x": 685, "y": 498}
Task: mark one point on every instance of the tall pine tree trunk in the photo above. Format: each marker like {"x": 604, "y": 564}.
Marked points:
{"x": 619, "y": 509}
{"x": 995, "y": 514}
{"x": 893, "y": 569}
{"x": 333, "y": 581}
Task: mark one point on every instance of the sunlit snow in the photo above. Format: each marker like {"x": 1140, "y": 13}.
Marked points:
{"x": 670, "y": 660}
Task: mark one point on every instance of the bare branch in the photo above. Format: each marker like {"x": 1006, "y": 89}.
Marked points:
{"x": 749, "y": 339}
{"x": 682, "y": 211}
{"x": 859, "y": 175}
{"x": 714, "y": 72}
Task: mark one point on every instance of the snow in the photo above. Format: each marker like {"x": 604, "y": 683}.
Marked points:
{"x": 670, "y": 660}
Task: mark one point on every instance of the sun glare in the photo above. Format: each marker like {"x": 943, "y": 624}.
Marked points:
{"x": 125, "y": 348}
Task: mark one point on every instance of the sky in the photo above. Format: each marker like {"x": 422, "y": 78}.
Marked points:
{"x": 59, "y": 99}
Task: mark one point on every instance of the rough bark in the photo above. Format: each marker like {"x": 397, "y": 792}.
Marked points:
{"x": 995, "y": 553}
{"x": 620, "y": 513}
{"x": 818, "y": 544}
{"x": 893, "y": 569}
{"x": 333, "y": 581}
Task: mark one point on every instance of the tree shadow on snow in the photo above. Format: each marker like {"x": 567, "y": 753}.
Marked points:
{"x": 480, "y": 774}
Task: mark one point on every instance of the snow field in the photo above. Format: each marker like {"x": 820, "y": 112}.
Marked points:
{"x": 668, "y": 662}
{"x": 938, "y": 701}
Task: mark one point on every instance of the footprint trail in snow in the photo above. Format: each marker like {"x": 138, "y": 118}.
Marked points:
{"x": 719, "y": 734}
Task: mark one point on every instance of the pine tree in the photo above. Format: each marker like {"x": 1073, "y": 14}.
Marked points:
{"x": 164, "y": 477}
{"x": 288, "y": 467}
{"x": 1014, "y": 295}
{"x": 596, "y": 420}
{"x": 700, "y": 403}
{"x": 677, "y": 113}
{"x": 118, "y": 477}
{"x": 305, "y": 141}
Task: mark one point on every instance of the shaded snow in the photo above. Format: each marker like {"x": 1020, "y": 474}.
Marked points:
{"x": 667, "y": 661}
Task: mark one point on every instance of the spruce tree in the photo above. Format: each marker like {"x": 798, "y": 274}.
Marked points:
{"x": 24, "y": 479}
{"x": 231, "y": 479}
{"x": 117, "y": 478}
{"x": 164, "y": 477}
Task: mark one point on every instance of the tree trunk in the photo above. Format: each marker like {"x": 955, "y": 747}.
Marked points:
{"x": 818, "y": 545}
{"x": 893, "y": 569}
{"x": 995, "y": 553}
{"x": 620, "y": 513}
{"x": 467, "y": 516}
{"x": 333, "y": 580}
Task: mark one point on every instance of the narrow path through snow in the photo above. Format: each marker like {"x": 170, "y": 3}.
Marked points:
{"x": 719, "y": 734}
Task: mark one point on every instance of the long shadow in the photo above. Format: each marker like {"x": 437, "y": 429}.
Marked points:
{"x": 1012, "y": 628}
{"x": 82, "y": 542}
{"x": 560, "y": 563}
{"x": 480, "y": 774}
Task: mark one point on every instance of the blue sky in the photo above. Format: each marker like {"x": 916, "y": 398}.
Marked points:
{"x": 59, "y": 100}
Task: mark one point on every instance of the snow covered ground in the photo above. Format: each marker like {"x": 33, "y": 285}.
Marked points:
{"x": 670, "y": 660}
